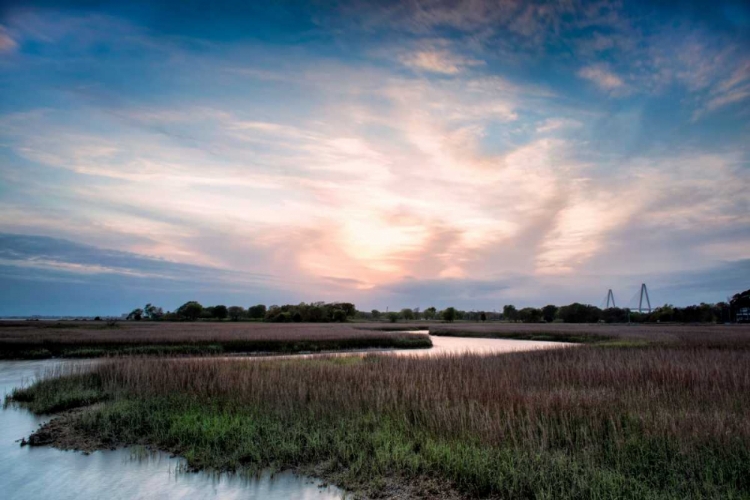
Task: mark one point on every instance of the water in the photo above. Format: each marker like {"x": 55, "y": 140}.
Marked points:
{"x": 442, "y": 346}
{"x": 461, "y": 345}
{"x": 46, "y": 473}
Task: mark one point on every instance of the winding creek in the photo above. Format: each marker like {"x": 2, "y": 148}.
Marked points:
{"x": 41, "y": 473}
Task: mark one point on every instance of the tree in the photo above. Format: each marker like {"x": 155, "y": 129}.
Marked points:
{"x": 449, "y": 314}
{"x": 152, "y": 312}
{"x": 483, "y": 316}
{"x": 256, "y": 312}
{"x": 549, "y": 312}
{"x": 236, "y": 312}
{"x": 190, "y": 310}
{"x": 579, "y": 313}
{"x": 220, "y": 312}
{"x": 530, "y": 315}
{"x": 407, "y": 314}
{"x": 135, "y": 315}
{"x": 392, "y": 317}
{"x": 429, "y": 313}
{"x": 510, "y": 313}
{"x": 375, "y": 314}
{"x": 339, "y": 315}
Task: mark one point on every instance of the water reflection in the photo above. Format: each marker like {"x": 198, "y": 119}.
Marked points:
{"x": 461, "y": 345}
{"x": 47, "y": 473}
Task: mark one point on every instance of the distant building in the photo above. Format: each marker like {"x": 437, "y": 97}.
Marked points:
{"x": 740, "y": 306}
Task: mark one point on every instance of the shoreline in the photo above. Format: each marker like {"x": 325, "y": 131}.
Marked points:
{"x": 60, "y": 432}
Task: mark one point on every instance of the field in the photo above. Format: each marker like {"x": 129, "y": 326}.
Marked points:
{"x": 662, "y": 420}
{"x": 44, "y": 339}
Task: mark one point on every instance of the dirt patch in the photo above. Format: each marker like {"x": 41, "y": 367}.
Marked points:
{"x": 62, "y": 433}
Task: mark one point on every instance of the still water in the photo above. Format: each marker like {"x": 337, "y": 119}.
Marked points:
{"x": 46, "y": 473}
{"x": 461, "y": 345}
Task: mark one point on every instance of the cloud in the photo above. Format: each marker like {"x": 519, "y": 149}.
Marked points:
{"x": 438, "y": 61}
{"x": 553, "y": 124}
{"x": 604, "y": 78}
{"x": 7, "y": 43}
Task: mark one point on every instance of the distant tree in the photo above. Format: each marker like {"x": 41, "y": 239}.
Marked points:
{"x": 510, "y": 313}
{"x": 549, "y": 312}
{"x": 483, "y": 316}
{"x": 256, "y": 312}
{"x": 579, "y": 313}
{"x": 429, "y": 313}
{"x": 349, "y": 309}
{"x": 530, "y": 315}
{"x": 98, "y": 318}
{"x": 417, "y": 314}
{"x": 190, "y": 310}
{"x": 339, "y": 315}
{"x": 375, "y": 314}
{"x": 614, "y": 315}
{"x": 220, "y": 312}
{"x": 721, "y": 312}
{"x": 407, "y": 314}
{"x": 152, "y": 312}
{"x": 449, "y": 314}
{"x": 392, "y": 317}
{"x": 135, "y": 315}
{"x": 297, "y": 317}
{"x": 236, "y": 312}
{"x": 282, "y": 317}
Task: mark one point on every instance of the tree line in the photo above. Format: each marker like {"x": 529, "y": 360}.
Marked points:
{"x": 319, "y": 312}
{"x": 314, "y": 312}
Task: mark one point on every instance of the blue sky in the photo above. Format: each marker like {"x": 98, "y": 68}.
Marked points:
{"x": 392, "y": 154}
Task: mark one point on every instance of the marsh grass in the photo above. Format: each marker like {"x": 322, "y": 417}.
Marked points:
{"x": 37, "y": 340}
{"x": 668, "y": 421}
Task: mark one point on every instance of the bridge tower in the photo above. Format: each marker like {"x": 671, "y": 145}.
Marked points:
{"x": 644, "y": 293}
{"x": 610, "y": 299}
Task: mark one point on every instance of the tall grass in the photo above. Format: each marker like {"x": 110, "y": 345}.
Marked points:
{"x": 669, "y": 421}
{"x": 32, "y": 340}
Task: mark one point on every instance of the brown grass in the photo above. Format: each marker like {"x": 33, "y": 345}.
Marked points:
{"x": 90, "y": 338}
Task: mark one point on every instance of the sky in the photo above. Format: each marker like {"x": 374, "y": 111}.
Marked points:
{"x": 392, "y": 154}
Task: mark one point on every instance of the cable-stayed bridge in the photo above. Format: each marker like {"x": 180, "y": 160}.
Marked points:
{"x": 640, "y": 301}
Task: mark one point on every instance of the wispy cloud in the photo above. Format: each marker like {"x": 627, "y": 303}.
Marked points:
{"x": 438, "y": 61}
{"x": 7, "y": 43}
{"x": 604, "y": 78}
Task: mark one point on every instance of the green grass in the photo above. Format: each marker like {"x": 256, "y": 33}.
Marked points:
{"x": 362, "y": 452}
{"x": 60, "y": 394}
